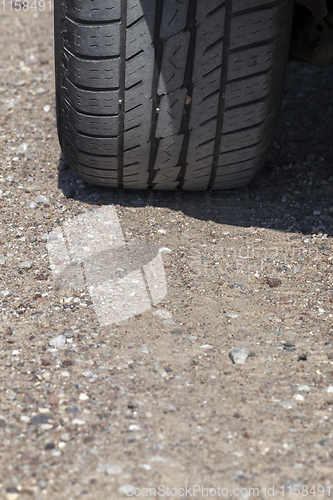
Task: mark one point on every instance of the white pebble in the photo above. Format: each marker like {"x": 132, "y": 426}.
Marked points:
{"x": 47, "y": 108}
{"x": 206, "y": 346}
{"x": 27, "y": 264}
{"x": 25, "y": 418}
{"x": 126, "y": 489}
{"x": 134, "y": 427}
{"x": 299, "y": 397}
{"x": 287, "y": 405}
{"x": 114, "y": 469}
{"x": 40, "y": 199}
{"x": 78, "y": 421}
{"x": 144, "y": 349}
{"x": 165, "y": 250}
{"x": 2, "y": 261}
{"x": 304, "y": 388}
{"x": 6, "y": 293}
{"x": 232, "y": 315}
{"x": 162, "y": 313}
{"x": 329, "y": 389}
{"x": 83, "y": 396}
{"x": 32, "y": 204}
{"x": 61, "y": 444}
{"x": 58, "y": 342}
{"x": 15, "y": 352}
{"x": 161, "y": 231}
{"x": 23, "y": 148}
{"x": 239, "y": 356}
{"x": 44, "y": 237}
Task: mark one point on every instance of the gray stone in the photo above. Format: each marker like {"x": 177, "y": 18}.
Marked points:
{"x": 2, "y": 261}
{"x": 239, "y": 356}
{"x": 27, "y": 264}
{"x": 44, "y": 238}
{"x": 168, "y": 321}
{"x": 176, "y": 331}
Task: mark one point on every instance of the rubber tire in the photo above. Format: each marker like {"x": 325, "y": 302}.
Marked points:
{"x": 169, "y": 93}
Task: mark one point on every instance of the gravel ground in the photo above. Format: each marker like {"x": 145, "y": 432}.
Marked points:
{"x": 156, "y": 399}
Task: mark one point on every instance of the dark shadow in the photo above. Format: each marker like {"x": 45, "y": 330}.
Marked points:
{"x": 287, "y": 195}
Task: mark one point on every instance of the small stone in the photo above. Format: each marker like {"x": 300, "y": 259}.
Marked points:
{"x": 176, "y": 331}
{"x": 232, "y": 315}
{"x": 144, "y": 349}
{"x": 32, "y": 204}
{"x": 162, "y": 313}
{"x": 287, "y": 405}
{"x": 23, "y": 148}
{"x": 5, "y": 293}
{"x": 302, "y": 357}
{"x": 2, "y": 261}
{"x": 78, "y": 421}
{"x": 27, "y": 264}
{"x": 58, "y": 342}
{"x": 68, "y": 334}
{"x": 162, "y": 231}
{"x": 274, "y": 282}
{"x": 126, "y": 489}
{"x": 32, "y": 188}
{"x": 330, "y": 355}
{"x": 83, "y": 397}
{"x": 310, "y": 157}
{"x": 168, "y": 321}
{"x": 42, "y": 418}
{"x": 54, "y": 400}
{"x": 10, "y": 178}
{"x": 329, "y": 389}
{"x": 304, "y": 388}
{"x": 316, "y": 212}
{"x": 47, "y": 108}
{"x": 40, "y": 200}
{"x": 165, "y": 250}
{"x": 299, "y": 397}
{"x": 32, "y": 239}
{"x": 114, "y": 469}
{"x": 44, "y": 238}
{"x": 239, "y": 356}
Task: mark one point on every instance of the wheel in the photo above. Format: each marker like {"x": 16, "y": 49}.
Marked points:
{"x": 169, "y": 93}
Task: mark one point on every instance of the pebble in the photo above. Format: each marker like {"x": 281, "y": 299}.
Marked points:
{"x": 78, "y": 421}
{"x": 165, "y": 250}
{"x": 144, "y": 349}
{"x": 58, "y": 342}
{"x": 40, "y": 199}
{"x": 162, "y": 313}
{"x": 32, "y": 188}
{"x": 23, "y": 148}
{"x": 316, "y": 212}
{"x": 299, "y": 397}
{"x": 83, "y": 396}
{"x": 176, "y": 331}
{"x": 239, "y": 356}
{"x": 274, "y": 282}
{"x": 6, "y": 293}
{"x": 287, "y": 405}
{"x": 10, "y": 178}
{"x": 232, "y": 315}
{"x": 2, "y": 261}
{"x": 304, "y": 388}
{"x": 302, "y": 357}
{"x": 32, "y": 204}
{"x": 27, "y": 264}
{"x": 329, "y": 389}
{"x": 114, "y": 469}
{"x": 126, "y": 489}
{"x": 168, "y": 321}
{"x": 44, "y": 237}
{"x": 47, "y": 108}
{"x": 330, "y": 355}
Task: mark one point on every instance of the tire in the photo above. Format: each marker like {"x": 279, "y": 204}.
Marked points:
{"x": 169, "y": 93}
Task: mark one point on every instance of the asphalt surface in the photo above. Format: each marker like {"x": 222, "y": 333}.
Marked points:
{"x": 95, "y": 405}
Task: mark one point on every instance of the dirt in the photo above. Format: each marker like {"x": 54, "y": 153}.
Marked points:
{"x": 154, "y": 401}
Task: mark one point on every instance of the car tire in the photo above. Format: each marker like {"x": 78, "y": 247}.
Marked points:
{"x": 169, "y": 94}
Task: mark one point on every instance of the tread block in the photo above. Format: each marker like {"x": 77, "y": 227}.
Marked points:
{"x": 168, "y": 152}
{"x": 173, "y": 67}
{"x": 139, "y": 8}
{"x": 240, "y": 139}
{"x": 92, "y": 40}
{"x": 99, "y": 10}
{"x": 102, "y": 162}
{"x": 138, "y": 38}
{"x": 101, "y": 74}
{"x": 92, "y": 102}
{"x": 140, "y": 69}
{"x": 206, "y": 8}
{"x": 247, "y": 62}
{"x": 94, "y": 145}
{"x": 174, "y": 17}
{"x": 171, "y": 113}
{"x": 245, "y": 116}
{"x": 98, "y": 126}
{"x": 252, "y": 27}
{"x": 250, "y": 89}
{"x": 239, "y": 155}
